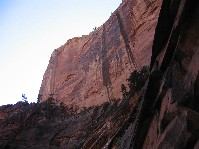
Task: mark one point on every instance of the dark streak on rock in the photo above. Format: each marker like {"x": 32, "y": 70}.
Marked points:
{"x": 126, "y": 41}
{"x": 105, "y": 63}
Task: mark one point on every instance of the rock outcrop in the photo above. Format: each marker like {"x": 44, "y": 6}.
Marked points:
{"x": 161, "y": 108}
{"x": 48, "y": 125}
{"x": 168, "y": 115}
{"x": 89, "y": 70}
{"x": 175, "y": 117}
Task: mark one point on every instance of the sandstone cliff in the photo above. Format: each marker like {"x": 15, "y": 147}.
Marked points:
{"x": 89, "y": 70}
{"x": 161, "y": 112}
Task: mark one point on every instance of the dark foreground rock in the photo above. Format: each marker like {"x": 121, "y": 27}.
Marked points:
{"x": 163, "y": 112}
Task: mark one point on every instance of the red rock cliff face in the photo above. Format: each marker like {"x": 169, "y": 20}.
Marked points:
{"x": 89, "y": 71}
{"x": 162, "y": 113}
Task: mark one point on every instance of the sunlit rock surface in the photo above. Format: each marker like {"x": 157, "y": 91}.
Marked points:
{"x": 89, "y": 70}
{"x": 163, "y": 113}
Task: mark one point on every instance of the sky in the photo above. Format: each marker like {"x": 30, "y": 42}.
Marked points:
{"x": 29, "y": 32}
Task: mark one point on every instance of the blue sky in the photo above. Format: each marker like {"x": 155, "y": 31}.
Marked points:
{"x": 31, "y": 29}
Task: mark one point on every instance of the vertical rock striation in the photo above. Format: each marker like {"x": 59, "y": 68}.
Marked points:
{"x": 161, "y": 108}
{"x": 89, "y": 70}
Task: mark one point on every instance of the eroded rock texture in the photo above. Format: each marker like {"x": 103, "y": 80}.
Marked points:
{"x": 162, "y": 112}
{"x": 171, "y": 94}
{"x": 89, "y": 71}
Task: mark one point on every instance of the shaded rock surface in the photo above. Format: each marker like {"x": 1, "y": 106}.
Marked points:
{"x": 47, "y": 125}
{"x": 163, "y": 113}
{"x": 173, "y": 117}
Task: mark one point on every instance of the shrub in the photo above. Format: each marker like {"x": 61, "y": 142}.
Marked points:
{"x": 137, "y": 79}
{"x": 123, "y": 89}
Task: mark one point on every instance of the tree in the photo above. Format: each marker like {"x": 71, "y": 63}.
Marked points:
{"x": 95, "y": 28}
{"x": 24, "y": 98}
{"x": 39, "y": 98}
{"x": 137, "y": 79}
{"x": 124, "y": 92}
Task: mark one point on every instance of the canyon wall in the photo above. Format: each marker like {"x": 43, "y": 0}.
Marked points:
{"x": 163, "y": 113}
{"x": 89, "y": 70}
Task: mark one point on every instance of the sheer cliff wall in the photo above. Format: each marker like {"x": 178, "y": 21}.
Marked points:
{"x": 89, "y": 70}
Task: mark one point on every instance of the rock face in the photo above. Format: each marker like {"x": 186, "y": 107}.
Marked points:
{"x": 89, "y": 71}
{"x": 162, "y": 112}
{"x": 171, "y": 94}
{"x": 48, "y": 125}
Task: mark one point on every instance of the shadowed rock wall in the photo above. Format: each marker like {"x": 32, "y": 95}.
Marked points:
{"x": 163, "y": 113}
